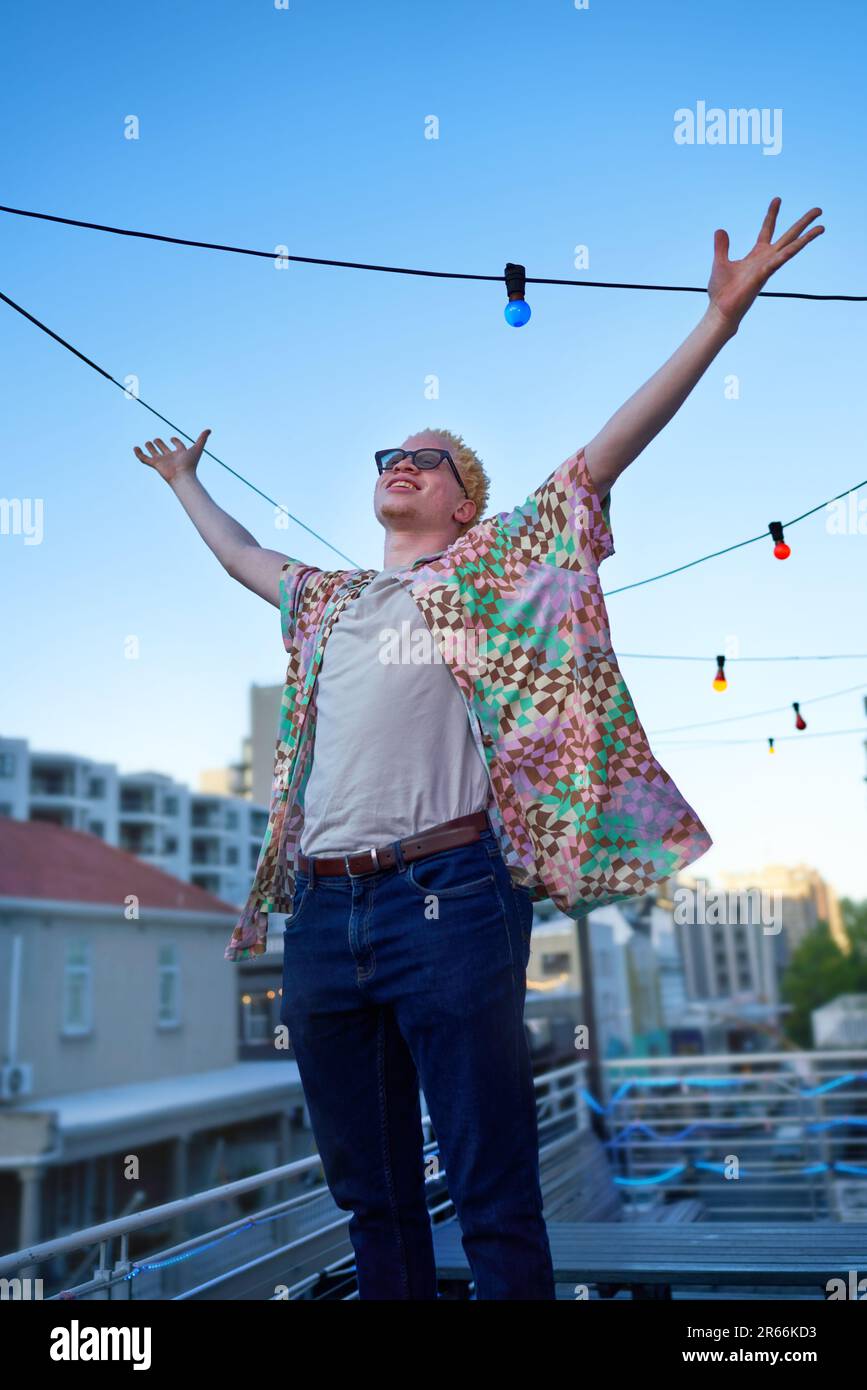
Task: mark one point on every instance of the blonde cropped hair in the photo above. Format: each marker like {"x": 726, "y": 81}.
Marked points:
{"x": 471, "y": 469}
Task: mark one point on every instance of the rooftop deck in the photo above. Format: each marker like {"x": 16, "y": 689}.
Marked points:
{"x": 668, "y": 1184}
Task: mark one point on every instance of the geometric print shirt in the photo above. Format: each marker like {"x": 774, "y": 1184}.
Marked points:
{"x": 583, "y": 812}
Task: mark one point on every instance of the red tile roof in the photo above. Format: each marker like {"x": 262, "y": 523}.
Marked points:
{"x": 41, "y": 860}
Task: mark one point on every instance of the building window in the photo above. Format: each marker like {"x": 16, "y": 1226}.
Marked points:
{"x": 137, "y": 801}
{"x": 170, "y": 805}
{"x": 7, "y": 764}
{"x": 231, "y": 854}
{"x": 556, "y": 963}
{"x": 77, "y": 989}
{"x": 168, "y": 987}
{"x": 170, "y": 845}
{"x": 52, "y": 781}
{"x": 231, "y": 820}
{"x": 260, "y": 1012}
{"x": 96, "y": 788}
{"x": 209, "y": 882}
{"x": 204, "y": 852}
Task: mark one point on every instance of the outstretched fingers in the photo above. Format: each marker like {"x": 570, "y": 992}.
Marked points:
{"x": 152, "y": 451}
{"x": 794, "y": 247}
{"x": 797, "y": 228}
{"x": 158, "y": 448}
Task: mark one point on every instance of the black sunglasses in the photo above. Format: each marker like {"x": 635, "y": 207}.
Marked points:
{"x": 422, "y": 458}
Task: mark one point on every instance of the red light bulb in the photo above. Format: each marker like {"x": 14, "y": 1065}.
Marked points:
{"x": 781, "y": 550}
{"x": 800, "y": 721}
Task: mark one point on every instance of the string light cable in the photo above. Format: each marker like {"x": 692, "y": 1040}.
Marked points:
{"x": 31, "y": 318}
{"x": 400, "y": 269}
{"x": 705, "y": 660}
{"x": 739, "y": 545}
{"x": 177, "y": 429}
{"x": 757, "y": 714}
{"x": 784, "y": 738}
{"x": 515, "y": 279}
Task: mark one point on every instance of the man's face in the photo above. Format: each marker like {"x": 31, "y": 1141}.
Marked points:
{"x": 408, "y": 498}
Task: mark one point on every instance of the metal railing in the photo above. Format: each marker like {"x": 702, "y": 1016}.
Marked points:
{"x": 774, "y": 1136}
{"x": 295, "y": 1247}
{"x": 779, "y": 1136}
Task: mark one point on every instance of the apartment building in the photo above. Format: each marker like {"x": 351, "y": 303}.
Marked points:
{"x": 208, "y": 839}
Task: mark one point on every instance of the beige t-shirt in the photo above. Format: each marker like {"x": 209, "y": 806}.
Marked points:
{"x": 394, "y": 753}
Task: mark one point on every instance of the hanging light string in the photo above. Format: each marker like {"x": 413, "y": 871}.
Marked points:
{"x": 678, "y": 569}
{"x": 400, "y": 269}
{"x": 454, "y": 275}
{"x": 758, "y": 713}
{"x": 783, "y": 738}
{"x": 706, "y": 660}
{"x": 183, "y": 434}
{"x": 177, "y": 429}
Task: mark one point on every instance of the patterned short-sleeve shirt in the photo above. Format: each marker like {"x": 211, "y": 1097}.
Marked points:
{"x": 583, "y": 812}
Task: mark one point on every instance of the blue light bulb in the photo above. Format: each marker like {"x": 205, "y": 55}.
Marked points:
{"x": 517, "y": 312}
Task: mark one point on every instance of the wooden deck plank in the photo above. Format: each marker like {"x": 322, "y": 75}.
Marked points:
{"x": 700, "y": 1253}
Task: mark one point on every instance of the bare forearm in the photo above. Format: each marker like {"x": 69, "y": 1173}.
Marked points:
{"x": 732, "y": 288}
{"x": 238, "y": 552}
{"x": 639, "y": 420}
{"x": 225, "y": 536}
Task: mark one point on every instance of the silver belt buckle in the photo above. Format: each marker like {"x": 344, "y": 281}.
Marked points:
{"x": 372, "y": 852}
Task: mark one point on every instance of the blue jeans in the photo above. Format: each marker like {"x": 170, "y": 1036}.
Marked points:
{"x": 418, "y": 973}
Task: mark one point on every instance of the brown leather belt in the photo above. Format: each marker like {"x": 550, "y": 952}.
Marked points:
{"x": 461, "y": 831}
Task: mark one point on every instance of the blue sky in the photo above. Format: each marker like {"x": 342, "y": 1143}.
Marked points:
{"x": 305, "y": 127}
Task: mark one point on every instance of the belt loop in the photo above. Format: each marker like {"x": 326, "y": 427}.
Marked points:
{"x": 399, "y": 861}
{"x": 311, "y": 870}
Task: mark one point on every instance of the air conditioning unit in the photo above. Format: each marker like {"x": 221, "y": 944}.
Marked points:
{"x": 849, "y": 1200}
{"x": 16, "y": 1081}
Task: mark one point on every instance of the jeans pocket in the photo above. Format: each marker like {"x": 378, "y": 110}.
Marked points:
{"x": 453, "y": 873}
{"x": 299, "y": 901}
{"x": 525, "y": 916}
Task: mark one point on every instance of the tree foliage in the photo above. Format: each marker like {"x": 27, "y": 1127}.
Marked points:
{"x": 819, "y": 971}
